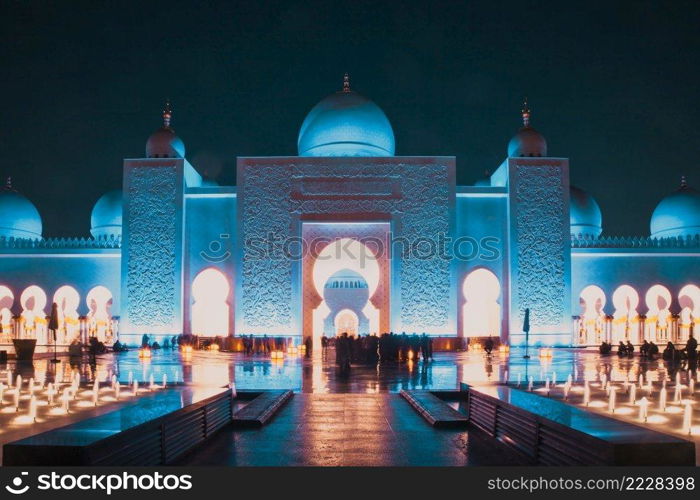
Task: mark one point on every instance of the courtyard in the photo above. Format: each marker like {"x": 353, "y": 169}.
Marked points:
{"x": 358, "y": 419}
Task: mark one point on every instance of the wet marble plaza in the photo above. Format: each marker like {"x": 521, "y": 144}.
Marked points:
{"x": 355, "y": 420}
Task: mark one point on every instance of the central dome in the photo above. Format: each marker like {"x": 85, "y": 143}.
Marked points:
{"x": 346, "y": 124}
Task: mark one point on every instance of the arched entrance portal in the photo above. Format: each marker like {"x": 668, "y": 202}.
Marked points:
{"x": 481, "y": 313}
{"x": 210, "y": 307}
{"x": 346, "y": 321}
{"x": 345, "y": 264}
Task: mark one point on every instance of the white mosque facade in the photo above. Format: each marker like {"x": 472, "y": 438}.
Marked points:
{"x": 348, "y": 236}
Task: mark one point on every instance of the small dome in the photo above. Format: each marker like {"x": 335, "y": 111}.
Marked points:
{"x": 164, "y": 143}
{"x": 528, "y": 141}
{"x": 19, "y": 218}
{"x": 106, "y": 218}
{"x": 584, "y": 213}
{"x": 678, "y": 214}
{"x": 346, "y": 124}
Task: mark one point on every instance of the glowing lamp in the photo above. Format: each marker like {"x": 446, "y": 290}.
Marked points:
{"x": 214, "y": 347}
{"x": 145, "y": 353}
{"x": 504, "y": 348}
{"x": 410, "y": 354}
{"x": 186, "y": 349}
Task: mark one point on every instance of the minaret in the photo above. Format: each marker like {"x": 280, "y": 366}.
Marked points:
{"x": 684, "y": 183}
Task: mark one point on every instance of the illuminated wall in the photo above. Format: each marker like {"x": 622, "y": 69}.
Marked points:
{"x": 415, "y": 194}
{"x": 153, "y": 247}
{"x": 539, "y": 248}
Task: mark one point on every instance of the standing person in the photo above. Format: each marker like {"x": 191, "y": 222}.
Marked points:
{"x": 424, "y": 346}
{"x": 309, "y": 346}
{"x": 53, "y": 327}
{"x": 669, "y": 353}
{"x": 630, "y": 349}
{"x": 691, "y": 348}
{"x": 488, "y": 346}
{"x": 324, "y": 346}
{"x": 343, "y": 353}
{"x": 644, "y": 349}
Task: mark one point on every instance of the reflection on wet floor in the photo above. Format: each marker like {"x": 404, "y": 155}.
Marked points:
{"x": 349, "y": 430}
{"x": 319, "y": 375}
{"x": 318, "y": 425}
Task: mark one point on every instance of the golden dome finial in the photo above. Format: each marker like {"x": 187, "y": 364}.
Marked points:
{"x": 167, "y": 113}
{"x": 346, "y": 83}
{"x": 526, "y": 113}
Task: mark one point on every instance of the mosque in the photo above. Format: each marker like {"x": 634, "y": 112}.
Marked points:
{"x": 348, "y": 236}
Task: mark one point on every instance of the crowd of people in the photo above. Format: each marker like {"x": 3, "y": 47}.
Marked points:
{"x": 650, "y": 350}
{"x": 373, "y": 349}
{"x": 263, "y": 345}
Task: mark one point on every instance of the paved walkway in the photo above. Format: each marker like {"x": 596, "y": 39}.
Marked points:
{"x": 348, "y": 430}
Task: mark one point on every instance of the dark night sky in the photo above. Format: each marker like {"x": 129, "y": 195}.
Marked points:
{"x": 613, "y": 86}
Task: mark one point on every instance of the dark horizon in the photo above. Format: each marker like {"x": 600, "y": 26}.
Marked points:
{"x": 612, "y": 87}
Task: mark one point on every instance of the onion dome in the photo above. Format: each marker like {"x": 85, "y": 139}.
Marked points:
{"x": 163, "y": 143}
{"x": 19, "y": 218}
{"x": 528, "y": 141}
{"x": 678, "y": 214}
{"x": 346, "y": 124}
{"x": 584, "y": 213}
{"x": 106, "y": 217}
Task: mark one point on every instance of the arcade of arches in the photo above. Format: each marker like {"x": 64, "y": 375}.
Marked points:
{"x": 28, "y": 317}
{"x": 659, "y": 315}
